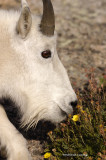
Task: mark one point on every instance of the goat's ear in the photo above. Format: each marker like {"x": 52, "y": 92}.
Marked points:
{"x": 24, "y": 22}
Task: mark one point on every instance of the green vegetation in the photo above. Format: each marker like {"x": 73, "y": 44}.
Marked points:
{"x": 83, "y": 136}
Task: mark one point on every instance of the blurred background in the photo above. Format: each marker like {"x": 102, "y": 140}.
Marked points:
{"x": 81, "y": 27}
{"x": 81, "y": 42}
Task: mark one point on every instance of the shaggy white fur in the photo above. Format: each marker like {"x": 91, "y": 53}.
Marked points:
{"x": 39, "y": 86}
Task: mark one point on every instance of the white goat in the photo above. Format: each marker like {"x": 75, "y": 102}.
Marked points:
{"x": 33, "y": 82}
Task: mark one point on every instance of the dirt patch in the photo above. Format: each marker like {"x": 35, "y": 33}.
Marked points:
{"x": 81, "y": 27}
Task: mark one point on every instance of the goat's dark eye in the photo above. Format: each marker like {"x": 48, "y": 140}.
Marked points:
{"x": 46, "y": 54}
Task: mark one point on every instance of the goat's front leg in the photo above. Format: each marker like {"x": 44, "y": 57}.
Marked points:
{"x": 11, "y": 139}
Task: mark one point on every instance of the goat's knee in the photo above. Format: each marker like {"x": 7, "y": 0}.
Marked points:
{"x": 13, "y": 141}
{"x": 18, "y": 149}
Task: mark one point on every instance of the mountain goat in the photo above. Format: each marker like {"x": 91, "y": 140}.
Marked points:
{"x": 34, "y": 84}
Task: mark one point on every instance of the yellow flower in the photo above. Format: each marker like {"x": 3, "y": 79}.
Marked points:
{"x": 79, "y": 106}
{"x": 100, "y": 125}
{"x": 75, "y": 118}
{"x": 82, "y": 111}
{"x": 47, "y": 155}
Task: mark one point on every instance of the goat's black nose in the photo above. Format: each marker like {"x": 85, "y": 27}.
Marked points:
{"x": 74, "y": 104}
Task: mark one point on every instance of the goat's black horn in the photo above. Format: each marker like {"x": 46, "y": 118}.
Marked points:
{"x": 48, "y": 19}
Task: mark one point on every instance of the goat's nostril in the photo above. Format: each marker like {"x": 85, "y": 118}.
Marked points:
{"x": 74, "y": 104}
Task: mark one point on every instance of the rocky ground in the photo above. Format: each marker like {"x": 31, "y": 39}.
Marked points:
{"x": 81, "y": 43}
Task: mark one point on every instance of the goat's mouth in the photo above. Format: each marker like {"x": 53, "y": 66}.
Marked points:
{"x": 63, "y": 113}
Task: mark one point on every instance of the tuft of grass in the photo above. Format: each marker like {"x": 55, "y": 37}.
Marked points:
{"x": 82, "y": 136}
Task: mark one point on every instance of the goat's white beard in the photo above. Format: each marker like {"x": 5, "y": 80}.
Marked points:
{"x": 36, "y": 112}
{"x": 32, "y": 120}
{"x": 46, "y": 112}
